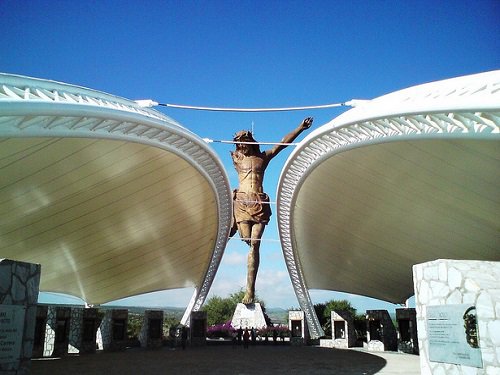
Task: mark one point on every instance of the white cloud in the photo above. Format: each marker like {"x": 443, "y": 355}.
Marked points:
{"x": 275, "y": 289}
{"x": 171, "y": 298}
{"x": 233, "y": 258}
{"x": 224, "y": 286}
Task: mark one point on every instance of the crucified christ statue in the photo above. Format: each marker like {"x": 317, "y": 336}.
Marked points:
{"x": 251, "y": 207}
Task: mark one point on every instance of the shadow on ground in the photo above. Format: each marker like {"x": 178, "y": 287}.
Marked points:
{"x": 260, "y": 360}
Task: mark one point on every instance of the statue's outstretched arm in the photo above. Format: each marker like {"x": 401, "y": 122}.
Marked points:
{"x": 290, "y": 137}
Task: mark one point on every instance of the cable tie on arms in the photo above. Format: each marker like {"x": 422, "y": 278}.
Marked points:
{"x": 255, "y": 239}
{"x": 248, "y": 201}
{"x": 208, "y": 140}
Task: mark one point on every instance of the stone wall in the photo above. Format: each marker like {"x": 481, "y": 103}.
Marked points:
{"x": 448, "y": 283}
{"x": 152, "y": 329}
{"x": 57, "y": 331}
{"x": 75, "y": 331}
{"x": 112, "y": 334}
{"x": 83, "y": 327}
{"x": 50, "y": 332}
{"x": 19, "y": 284}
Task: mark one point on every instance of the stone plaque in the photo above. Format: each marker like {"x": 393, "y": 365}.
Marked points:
{"x": 453, "y": 335}
{"x": 11, "y": 332}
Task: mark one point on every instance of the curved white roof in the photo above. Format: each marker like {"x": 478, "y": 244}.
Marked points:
{"x": 406, "y": 178}
{"x": 112, "y": 199}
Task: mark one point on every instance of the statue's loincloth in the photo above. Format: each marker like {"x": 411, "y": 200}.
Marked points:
{"x": 251, "y": 207}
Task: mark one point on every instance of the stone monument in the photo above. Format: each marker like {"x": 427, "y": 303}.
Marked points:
{"x": 343, "y": 333}
{"x": 83, "y": 331}
{"x": 57, "y": 331}
{"x": 152, "y": 329}
{"x": 19, "y": 282}
{"x": 380, "y": 331}
{"x": 298, "y": 328}
{"x": 112, "y": 333}
{"x": 198, "y": 328}
{"x": 458, "y": 316}
{"x": 407, "y": 324}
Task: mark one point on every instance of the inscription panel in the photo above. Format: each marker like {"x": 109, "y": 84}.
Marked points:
{"x": 453, "y": 335}
{"x": 11, "y": 332}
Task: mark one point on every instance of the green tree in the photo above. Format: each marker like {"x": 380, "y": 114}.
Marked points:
{"x": 170, "y": 320}
{"x": 219, "y": 310}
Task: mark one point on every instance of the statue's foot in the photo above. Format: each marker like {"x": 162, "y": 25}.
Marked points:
{"x": 248, "y": 298}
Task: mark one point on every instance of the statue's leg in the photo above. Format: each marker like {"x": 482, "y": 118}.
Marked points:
{"x": 245, "y": 231}
{"x": 257, "y": 230}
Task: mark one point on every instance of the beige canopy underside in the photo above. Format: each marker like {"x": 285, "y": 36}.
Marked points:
{"x": 105, "y": 219}
{"x": 365, "y": 216}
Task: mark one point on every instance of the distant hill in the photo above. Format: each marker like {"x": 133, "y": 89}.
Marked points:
{"x": 277, "y": 315}
{"x": 175, "y": 311}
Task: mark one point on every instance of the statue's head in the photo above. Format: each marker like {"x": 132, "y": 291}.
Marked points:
{"x": 246, "y": 136}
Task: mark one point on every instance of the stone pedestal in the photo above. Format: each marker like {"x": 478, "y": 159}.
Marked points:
{"x": 19, "y": 284}
{"x": 248, "y": 316}
{"x": 152, "y": 329}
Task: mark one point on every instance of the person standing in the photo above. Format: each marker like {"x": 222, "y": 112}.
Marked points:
{"x": 246, "y": 338}
{"x": 184, "y": 335}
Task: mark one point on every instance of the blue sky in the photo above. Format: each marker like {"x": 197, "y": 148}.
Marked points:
{"x": 249, "y": 54}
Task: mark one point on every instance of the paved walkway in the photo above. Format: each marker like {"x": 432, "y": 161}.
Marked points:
{"x": 260, "y": 359}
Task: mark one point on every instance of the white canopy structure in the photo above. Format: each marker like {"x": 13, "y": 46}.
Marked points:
{"x": 405, "y": 178}
{"x": 113, "y": 200}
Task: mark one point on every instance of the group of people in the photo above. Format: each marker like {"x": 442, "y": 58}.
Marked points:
{"x": 246, "y": 335}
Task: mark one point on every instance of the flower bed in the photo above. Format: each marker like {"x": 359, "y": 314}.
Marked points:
{"x": 225, "y": 330}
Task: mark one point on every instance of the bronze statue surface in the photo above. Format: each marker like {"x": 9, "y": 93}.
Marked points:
{"x": 250, "y": 203}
